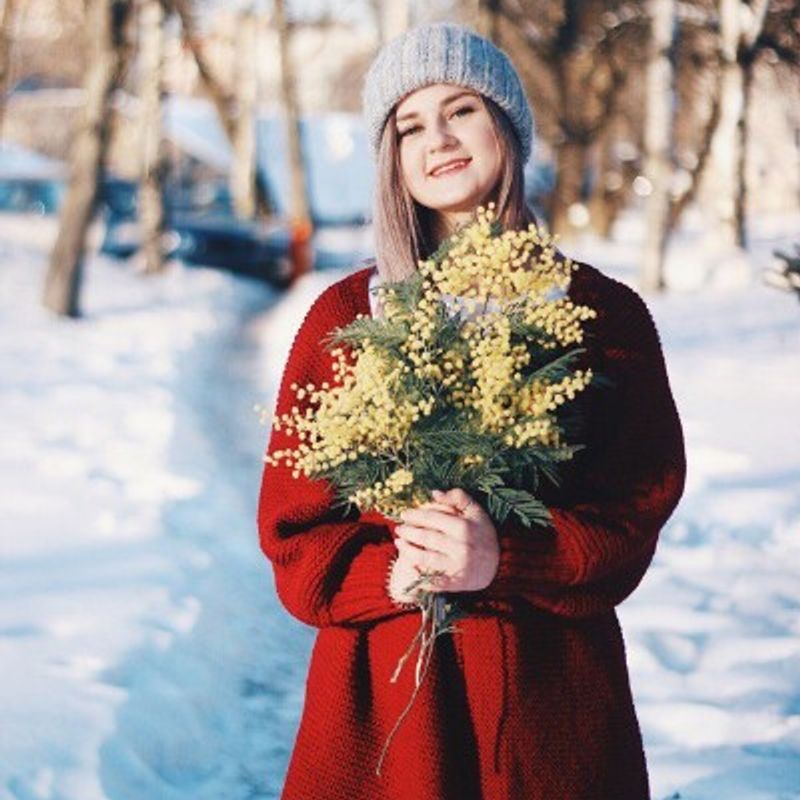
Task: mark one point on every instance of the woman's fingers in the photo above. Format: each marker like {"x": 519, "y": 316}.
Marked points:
{"x": 446, "y": 522}
{"x": 423, "y": 537}
{"x": 423, "y": 560}
{"x": 434, "y": 506}
{"x": 461, "y": 502}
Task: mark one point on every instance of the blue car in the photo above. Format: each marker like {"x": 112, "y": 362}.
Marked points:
{"x": 200, "y": 229}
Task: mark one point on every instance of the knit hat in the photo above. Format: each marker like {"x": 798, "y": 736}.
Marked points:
{"x": 444, "y": 52}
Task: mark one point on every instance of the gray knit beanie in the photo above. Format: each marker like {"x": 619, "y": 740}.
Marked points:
{"x": 444, "y": 52}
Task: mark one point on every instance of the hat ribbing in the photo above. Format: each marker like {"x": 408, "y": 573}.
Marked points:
{"x": 444, "y": 52}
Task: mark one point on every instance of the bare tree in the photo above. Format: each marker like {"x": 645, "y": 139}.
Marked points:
{"x": 299, "y": 205}
{"x": 698, "y": 85}
{"x": 7, "y": 18}
{"x": 489, "y": 18}
{"x": 107, "y": 49}
{"x": 224, "y": 100}
{"x": 298, "y": 202}
{"x": 740, "y": 24}
{"x": 575, "y": 58}
{"x": 658, "y": 141}
{"x": 243, "y": 175}
{"x": 392, "y": 16}
{"x": 153, "y": 167}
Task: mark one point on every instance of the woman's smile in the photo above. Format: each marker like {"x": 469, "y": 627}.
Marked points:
{"x": 449, "y": 167}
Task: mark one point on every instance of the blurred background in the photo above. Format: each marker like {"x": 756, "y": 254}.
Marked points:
{"x": 179, "y": 180}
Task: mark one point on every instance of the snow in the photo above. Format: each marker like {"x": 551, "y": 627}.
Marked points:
{"x": 20, "y": 163}
{"x": 143, "y": 651}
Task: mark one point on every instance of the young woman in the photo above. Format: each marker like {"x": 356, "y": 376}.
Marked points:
{"x": 530, "y": 698}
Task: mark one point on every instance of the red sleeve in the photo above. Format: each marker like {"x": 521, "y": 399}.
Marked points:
{"x": 602, "y": 540}
{"x": 329, "y": 569}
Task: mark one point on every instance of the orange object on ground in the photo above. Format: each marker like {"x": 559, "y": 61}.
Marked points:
{"x": 301, "y": 253}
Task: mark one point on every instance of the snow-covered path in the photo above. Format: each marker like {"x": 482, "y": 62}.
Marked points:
{"x": 142, "y": 650}
{"x": 202, "y": 717}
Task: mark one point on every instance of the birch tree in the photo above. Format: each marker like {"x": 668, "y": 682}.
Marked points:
{"x": 299, "y": 206}
{"x": 658, "y": 141}
{"x": 243, "y": 177}
{"x": 393, "y": 17}
{"x": 153, "y": 167}
{"x": 740, "y": 24}
{"x": 575, "y": 59}
{"x": 107, "y": 50}
{"x": 489, "y": 18}
{"x": 7, "y": 19}
{"x": 225, "y": 100}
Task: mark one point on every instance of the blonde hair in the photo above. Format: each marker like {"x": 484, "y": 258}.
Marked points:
{"x": 404, "y": 229}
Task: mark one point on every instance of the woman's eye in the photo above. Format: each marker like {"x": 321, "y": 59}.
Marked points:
{"x": 459, "y": 112}
{"x": 463, "y": 111}
{"x": 412, "y": 129}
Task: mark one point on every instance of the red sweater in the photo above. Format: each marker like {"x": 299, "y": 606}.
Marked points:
{"x": 530, "y": 700}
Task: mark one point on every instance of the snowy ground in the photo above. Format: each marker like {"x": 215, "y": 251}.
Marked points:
{"x": 143, "y": 653}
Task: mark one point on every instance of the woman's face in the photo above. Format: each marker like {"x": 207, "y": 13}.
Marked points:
{"x": 449, "y": 153}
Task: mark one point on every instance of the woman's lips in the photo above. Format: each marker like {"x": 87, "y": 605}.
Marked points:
{"x": 449, "y": 169}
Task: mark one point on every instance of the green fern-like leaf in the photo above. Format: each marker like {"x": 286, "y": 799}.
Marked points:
{"x": 503, "y": 501}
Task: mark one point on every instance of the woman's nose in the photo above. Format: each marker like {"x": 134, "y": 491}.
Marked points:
{"x": 439, "y": 136}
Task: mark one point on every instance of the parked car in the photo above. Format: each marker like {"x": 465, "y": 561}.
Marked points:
{"x": 29, "y": 181}
{"x": 201, "y": 229}
{"x": 35, "y": 195}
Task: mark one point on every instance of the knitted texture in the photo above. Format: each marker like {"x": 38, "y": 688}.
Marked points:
{"x": 444, "y": 52}
{"x": 530, "y": 699}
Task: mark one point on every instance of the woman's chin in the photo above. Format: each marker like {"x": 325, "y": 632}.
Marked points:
{"x": 455, "y": 204}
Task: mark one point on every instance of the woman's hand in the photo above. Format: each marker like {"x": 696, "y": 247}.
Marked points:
{"x": 403, "y": 575}
{"x": 453, "y": 535}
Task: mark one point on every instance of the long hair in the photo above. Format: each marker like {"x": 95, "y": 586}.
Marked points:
{"x": 404, "y": 230}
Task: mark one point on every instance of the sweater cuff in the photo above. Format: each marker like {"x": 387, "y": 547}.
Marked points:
{"x": 531, "y": 559}
{"x": 363, "y": 594}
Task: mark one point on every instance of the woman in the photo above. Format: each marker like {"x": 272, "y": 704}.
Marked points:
{"x": 530, "y": 698}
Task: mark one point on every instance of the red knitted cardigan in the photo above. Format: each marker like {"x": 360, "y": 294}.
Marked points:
{"x": 530, "y": 698}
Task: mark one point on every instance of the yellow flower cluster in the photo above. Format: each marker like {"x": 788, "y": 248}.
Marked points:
{"x": 541, "y": 397}
{"x": 363, "y": 411}
{"x": 481, "y": 265}
{"x": 512, "y": 286}
{"x": 560, "y": 319}
{"x": 383, "y": 495}
{"x": 494, "y": 374}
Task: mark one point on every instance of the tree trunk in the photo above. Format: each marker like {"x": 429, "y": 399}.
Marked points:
{"x": 725, "y": 149}
{"x": 301, "y": 255}
{"x": 7, "y": 18}
{"x": 106, "y": 47}
{"x": 608, "y": 194}
{"x": 658, "y": 142}
{"x": 743, "y": 129}
{"x": 243, "y": 169}
{"x": 394, "y": 17}
{"x": 740, "y": 25}
{"x": 570, "y": 164}
{"x": 747, "y": 57}
{"x": 225, "y": 102}
{"x": 489, "y": 19}
{"x": 679, "y": 204}
{"x": 299, "y": 207}
{"x": 151, "y": 190}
